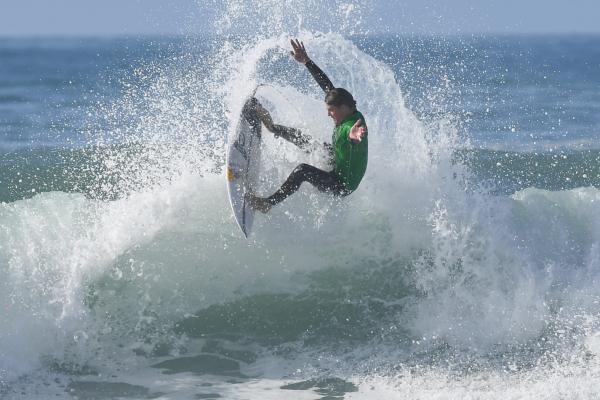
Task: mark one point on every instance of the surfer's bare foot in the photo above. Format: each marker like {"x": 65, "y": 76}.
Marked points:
{"x": 258, "y": 203}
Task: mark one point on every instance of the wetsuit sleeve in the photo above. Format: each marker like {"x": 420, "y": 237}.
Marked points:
{"x": 319, "y": 76}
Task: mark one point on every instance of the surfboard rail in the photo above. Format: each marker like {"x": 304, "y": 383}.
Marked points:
{"x": 243, "y": 159}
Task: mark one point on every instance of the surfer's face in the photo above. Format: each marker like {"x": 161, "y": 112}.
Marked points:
{"x": 338, "y": 113}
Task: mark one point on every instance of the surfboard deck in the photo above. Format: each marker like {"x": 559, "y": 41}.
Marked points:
{"x": 243, "y": 161}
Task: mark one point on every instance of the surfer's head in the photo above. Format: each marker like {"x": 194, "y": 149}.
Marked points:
{"x": 340, "y": 104}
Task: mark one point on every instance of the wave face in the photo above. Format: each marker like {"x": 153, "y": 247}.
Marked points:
{"x": 130, "y": 269}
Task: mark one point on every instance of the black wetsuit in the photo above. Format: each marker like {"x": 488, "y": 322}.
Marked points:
{"x": 324, "y": 181}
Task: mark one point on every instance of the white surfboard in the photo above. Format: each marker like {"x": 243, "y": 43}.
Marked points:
{"x": 243, "y": 161}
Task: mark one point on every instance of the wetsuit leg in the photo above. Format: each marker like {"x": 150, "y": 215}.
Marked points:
{"x": 324, "y": 181}
{"x": 255, "y": 113}
{"x": 292, "y": 135}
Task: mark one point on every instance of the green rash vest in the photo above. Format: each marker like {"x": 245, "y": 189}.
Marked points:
{"x": 350, "y": 157}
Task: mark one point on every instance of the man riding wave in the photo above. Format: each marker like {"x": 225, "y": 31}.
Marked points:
{"x": 349, "y": 147}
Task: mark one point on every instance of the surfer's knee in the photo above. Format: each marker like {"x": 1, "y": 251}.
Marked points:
{"x": 302, "y": 169}
{"x": 299, "y": 174}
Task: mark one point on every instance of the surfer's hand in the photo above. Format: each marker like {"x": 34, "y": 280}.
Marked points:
{"x": 299, "y": 52}
{"x": 357, "y": 132}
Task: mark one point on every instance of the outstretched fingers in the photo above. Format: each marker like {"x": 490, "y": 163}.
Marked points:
{"x": 296, "y": 45}
{"x": 357, "y": 132}
{"x": 299, "y": 51}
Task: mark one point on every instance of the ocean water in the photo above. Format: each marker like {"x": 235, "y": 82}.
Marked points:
{"x": 466, "y": 265}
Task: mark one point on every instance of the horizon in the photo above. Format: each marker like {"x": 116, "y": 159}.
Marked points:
{"x": 109, "y": 36}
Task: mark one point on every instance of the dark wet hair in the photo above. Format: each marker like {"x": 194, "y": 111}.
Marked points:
{"x": 338, "y": 96}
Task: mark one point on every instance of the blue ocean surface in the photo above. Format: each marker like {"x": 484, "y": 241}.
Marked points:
{"x": 50, "y": 86}
{"x": 532, "y": 92}
{"x": 466, "y": 264}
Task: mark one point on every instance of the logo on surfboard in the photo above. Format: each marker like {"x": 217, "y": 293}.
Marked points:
{"x": 231, "y": 175}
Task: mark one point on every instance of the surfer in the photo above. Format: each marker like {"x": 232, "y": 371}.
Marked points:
{"x": 348, "y": 150}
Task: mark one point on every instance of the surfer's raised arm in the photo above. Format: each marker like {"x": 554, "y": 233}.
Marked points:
{"x": 299, "y": 54}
